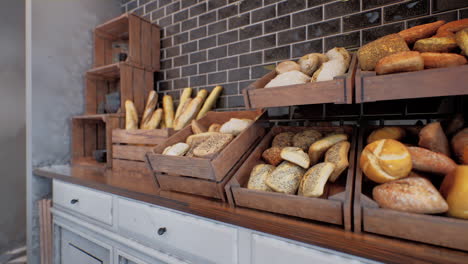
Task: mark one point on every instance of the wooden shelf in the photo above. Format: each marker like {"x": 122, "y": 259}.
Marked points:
{"x": 110, "y": 71}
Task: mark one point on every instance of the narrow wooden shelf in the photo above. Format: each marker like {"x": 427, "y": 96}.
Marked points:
{"x": 110, "y": 71}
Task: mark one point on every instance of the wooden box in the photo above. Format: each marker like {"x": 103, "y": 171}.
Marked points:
{"x": 132, "y": 83}
{"x": 338, "y": 91}
{"x": 142, "y": 37}
{"x": 90, "y": 133}
{"x": 426, "y": 83}
{"x": 432, "y": 229}
{"x": 333, "y": 207}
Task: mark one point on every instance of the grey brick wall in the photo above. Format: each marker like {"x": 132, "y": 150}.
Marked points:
{"x": 231, "y": 42}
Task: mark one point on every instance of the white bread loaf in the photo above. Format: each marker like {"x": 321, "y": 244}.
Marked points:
{"x": 258, "y": 177}
{"x": 235, "y": 126}
{"x": 178, "y": 149}
{"x": 288, "y": 78}
{"x": 296, "y": 155}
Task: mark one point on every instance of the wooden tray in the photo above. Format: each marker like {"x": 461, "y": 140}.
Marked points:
{"x": 333, "y": 207}
{"x": 432, "y": 229}
{"x": 426, "y": 83}
{"x": 214, "y": 169}
{"x": 338, "y": 91}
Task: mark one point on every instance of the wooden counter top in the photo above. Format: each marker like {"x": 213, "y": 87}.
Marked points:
{"x": 379, "y": 248}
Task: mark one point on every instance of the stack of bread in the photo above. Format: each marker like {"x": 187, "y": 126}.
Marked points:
{"x": 301, "y": 163}
{"x": 408, "y": 174}
{"x": 189, "y": 109}
{"x": 207, "y": 142}
{"x": 314, "y": 67}
{"x": 433, "y": 45}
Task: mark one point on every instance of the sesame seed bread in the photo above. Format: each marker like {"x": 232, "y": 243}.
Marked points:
{"x": 296, "y": 155}
{"x": 338, "y": 155}
{"x": 285, "y": 178}
{"x": 258, "y": 177}
{"x": 314, "y": 180}
{"x": 318, "y": 149}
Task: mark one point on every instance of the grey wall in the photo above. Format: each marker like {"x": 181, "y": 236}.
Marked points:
{"x": 61, "y": 46}
{"x": 12, "y": 126}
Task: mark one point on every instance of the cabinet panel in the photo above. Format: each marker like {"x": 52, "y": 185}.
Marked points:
{"x": 78, "y": 250}
{"x": 74, "y": 255}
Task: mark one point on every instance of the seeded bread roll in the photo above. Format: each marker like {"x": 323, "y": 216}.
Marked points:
{"x": 413, "y": 34}
{"x": 296, "y": 155}
{"x": 194, "y": 140}
{"x": 396, "y": 133}
{"x": 432, "y": 137}
{"x": 272, "y": 156}
{"x": 411, "y": 194}
{"x": 285, "y": 178}
{"x": 405, "y": 61}
{"x": 460, "y": 145}
{"x": 462, "y": 39}
{"x": 338, "y": 155}
{"x": 430, "y": 161}
{"x": 319, "y": 148}
{"x": 282, "y": 140}
{"x": 214, "y": 144}
{"x": 442, "y": 44}
{"x": 178, "y": 149}
{"x": 372, "y": 52}
{"x": 258, "y": 177}
{"x": 442, "y": 60}
{"x": 305, "y": 138}
{"x": 287, "y": 66}
{"x": 314, "y": 180}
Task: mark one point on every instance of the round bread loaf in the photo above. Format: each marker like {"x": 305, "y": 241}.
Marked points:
{"x": 287, "y": 66}
{"x": 311, "y": 62}
{"x": 460, "y": 145}
{"x": 284, "y": 139}
{"x": 396, "y": 133}
{"x": 272, "y": 156}
{"x": 385, "y": 160}
{"x": 432, "y": 137}
{"x": 455, "y": 189}
{"x": 372, "y": 52}
{"x": 258, "y": 177}
{"x": 305, "y": 138}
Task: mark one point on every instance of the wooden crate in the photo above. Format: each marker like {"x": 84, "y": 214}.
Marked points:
{"x": 432, "y": 229}
{"x": 338, "y": 91}
{"x": 90, "y": 133}
{"x": 333, "y": 207}
{"x": 216, "y": 168}
{"x": 426, "y": 83}
{"x": 132, "y": 83}
{"x": 143, "y": 40}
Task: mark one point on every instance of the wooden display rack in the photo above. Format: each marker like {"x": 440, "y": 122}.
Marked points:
{"x": 338, "y": 91}
{"x": 142, "y": 36}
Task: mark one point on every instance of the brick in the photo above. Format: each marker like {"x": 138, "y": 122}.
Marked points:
{"x": 348, "y": 41}
{"x": 175, "y": 94}
{"x": 277, "y": 54}
{"x": 239, "y": 74}
{"x": 324, "y": 28}
{"x": 189, "y": 70}
{"x": 180, "y": 83}
{"x": 221, "y": 102}
{"x": 250, "y": 31}
{"x": 217, "y": 53}
{"x": 341, "y": 8}
{"x": 447, "y": 17}
{"x": 158, "y": 14}
{"x": 290, "y": 36}
{"x": 406, "y": 10}
{"x": 164, "y": 22}
{"x": 189, "y": 24}
{"x": 171, "y": 52}
{"x": 230, "y": 88}
{"x": 166, "y": 64}
{"x": 181, "y": 38}
{"x": 198, "y": 56}
{"x": 174, "y": 7}
{"x": 186, "y": 3}
{"x": 264, "y": 13}
{"x": 249, "y": 5}
{"x": 132, "y": 5}
{"x": 362, "y": 20}
{"x": 164, "y": 2}
{"x": 267, "y": 2}
{"x": 445, "y": 5}
{"x": 277, "y": 24}
{"x": 250, "y": 59}
{"x": 171, "y": 30}
{"x": 173, "y": 73}
{"x": 198, "y": 9}
{"x": 213, "y": 4}
{"x": 260, "y": 71}
{"x": 264, "y": 42}
{"x": 372, "y": 34}
{"x": 227, "y": 11}
{"x": 368, "y": 4}
{"x": 139, "y": 11}
{"x": 307, "y": 17}
{"x": 207, "y": 18}
{"x": 164, "y": 85}
{"x": 228, "y": 37}
{"x": 301, "y": 49}
{"x": 151, "y": 7}
{"x": 198, "y": 80}
{"x": 239, "y": 47}
{"x": 166, "y": 43}
{"x": 239, "y": 21}
{"x": 463, "y": 13}
{"x": 244, "y": 84}
{"x": 217, "y": 27}
{"x": 182, "y": 15}
{"x": 206, "y": 43}
{"x": 198, "y": 33}
{"x": 236, "y": 101}
{"x": 290, "y": 6}
{"x": 228, "y": 63}
{"x": 189, "y": 47}
{"x": 207, "y": 67}
{"x": 216, "y": 78}
{"x": 181, "y": 60}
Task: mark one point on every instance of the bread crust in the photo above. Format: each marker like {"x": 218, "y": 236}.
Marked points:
{"x": 454, "y": 189}
{"x": 372, "y": 52}
{"x": 272, "y": 156}
{"x": 396, "y": 133}
{"x": 287, "y": 66}
{"x": 442, "y": 60}
{"x": 314, "y": 180}
{"x": 432, "y": 137}
{"x": 296, "y": 155}
{"x": 284, "y": 139}
{"x": 436, "y": 44}
{"x": 415, "y": 33}
{"x": 462, "y": 39}
{"x": 306, "y": 138}
{"x": 450, "y": 28}
{"x": 460, "y": 145}
{"x": 318, "y": 148}
{"x": 285, "y": 178}
{"x": 338, "y": 155}
{"x": 430, "y": 161}
{"x": 400, "y": 62}
{"x": 258, "y": 177}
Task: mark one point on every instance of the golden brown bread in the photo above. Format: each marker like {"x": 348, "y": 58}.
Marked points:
{"x": 311, "y": 62}
{"x": 391, "y": 132}
{"x": 430, "y": 161}
{"x": 210, "y": 101}
{"x": 196, "y": 139}
{"x": 272, "y": 156}
{"x": 412, "y": 195}
{"x": 213, "y": 145}
{"x": 149, "y": 108}
{"x": 314, "y": 180}
{"x": 318, "y": 148}
{"x": 154, "y": 120}
{"x": 442, "y": 60}
{"x": 178, "y": 149}
{"x": 296, "y": 155}
{"x": 284, "y": 139}
{"x": 197, "y": 128}
{"x": 305, "y": 138}
{"x": 338, "y": 155}
{"x": 432, "y": 137}
{"x": 372, "y": 52}
{"x": 131, "y": 115}
{"x": 439, "y": 44}
{"x": 415, "y": 33}
{"x": 450, "y": 28}
{"x": 285, "y": 178}
{"x": 455, "y": 190}
{"x": 462, "y": 39}
{"x": 214, "y": 128}
{"x": 287, "y": 66}
{"x": 460, "y": 146}
{"x": 258, "y": 177}
{"x": 404, "y": 61}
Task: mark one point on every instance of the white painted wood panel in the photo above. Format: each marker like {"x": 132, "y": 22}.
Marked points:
{"x": 76, "y": 249}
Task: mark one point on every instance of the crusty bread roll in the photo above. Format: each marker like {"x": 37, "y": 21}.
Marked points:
{"x": 214, "y": 128}
{"x": 385, "y": 160}
{"x": 285, "y": 178}
{"x": 235, "y": 126}
{"x": 287, "y": 66}
{"x": 288, "y": 78}
{"x": 296, "y": 155}
{"x": 272, "y": 156}
{"x": 284, "y": 139}
{"x": 439, "y": 44}
{"x": 432, "y": 137}
{"x": 258, "y": 177}
{"x": 338, "y": 155}
{"x": 318, "y": 148}
{"x": 339, "y": 54}
{"x": 194, "y": 140}
{"x": 460, "y": 146}
{"x": 404, "y": 61}
{"x": 131, "y": 115}
{"x": 178, "y": 149}
{"x": 213, "y": 145}
{"x": 329, "y": 70}
{"x": 430, "y": 161}
{"x": 415, "y": 33}
{"x": 369, "y": 54}
{"x": 412, "y": 195}
{"x": 450, "y": 28}
{"x": 305, "y": 138}
{"x": 197, "y": 128}
{"x": 442, "y": 60}
{"x": 455, "y": 189}
{"x": 311, "y": 62}
{"x": 391, "y": 132}
{"x": 462, "y": 39}
{"x": 314, "y": 180}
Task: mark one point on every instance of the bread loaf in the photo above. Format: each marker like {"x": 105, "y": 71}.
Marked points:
{"x": 296, "y": 155}
{"x": 455, "y": 189}
{"x": 413, "y": 34}
{"x": 442, "y": 60}
{"x": 154, "y": 121}
{"x": 462, "y": 39}
{"x": 318, "y": 148}
{"x": 285, "y": 178}
{"x": 372, "y": 52}
{"x": 314, "y": 180}
{"x": 287, "y": 66}
{"x": 168, "y": 107}
{"x": 235, "y": 126}
{"x": 429, "y": 161}
{"x": 194, "y": 140}
{"x": 455, "y": 124}
{"x": 338, "y": 155}
{"x": 439, "y": 44}
{"x": 189, "y": 113}
{"x": 149, "y": 108}
{"x": 214, "y": 128}
{"x": 432, "y": 137}
{"x": 284, "y": 139}
{"x": 183, "y": 99}
{"x": 288, "y": 78}
{"x": 450, "y": 28}
{"x": 305, "y": 138}
{"x": 339, "y": 54}
{"x": 210, "y": 101}
{"x": 197, "y": 128}
{"x": 404, "y": 61}
{"x": 213, "y": 145}
{"x": 412, "y": 195}
{"x": 131, "y": 115}
{"x": 258, "y": 177}
{"x": 385, "y": 160}
{"x": 311, "y": 62}
{"x": 460, "y": 146}
{"x": 272, "y": 156}
{"x": 178, "y": 149}
{"x": 329, "y": 70}
{"x": 396, "y": 133}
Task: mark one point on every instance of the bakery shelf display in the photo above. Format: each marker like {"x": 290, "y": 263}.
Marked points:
{"x": 331, "y": 80}
{"x": 411, "y": 192}
{"x": 322, "y": 192}
{"x": 127, "y": 38}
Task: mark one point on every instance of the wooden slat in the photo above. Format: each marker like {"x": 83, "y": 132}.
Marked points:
{"x": 77, "y": 139}
{"x": 99, "y": 50}
{"x": 130, "y": 152}
{"x": 126, "y": 81}
{"x": 134, "y": 40}
{"x": 139, "y": 90}
{"x": 133, "y": 175}
{"x": 115, "y": 26}
{"x": 90, "y": 138}
{"x": 42, "y": 244}
{"x": 108, "y": 51}
{"x": 112, "y": 122}
{"x": 189, "y": 185}
{"x": 101, "y": 135}
{"x": 102, "y": 88}
{"x": 146, "y": 47}
{"x": 155, "y": 47}
{"x": 91, "y": 90}
{"x": 139, "y": 136}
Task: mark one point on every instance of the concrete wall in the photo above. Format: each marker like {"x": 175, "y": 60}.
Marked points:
{"x": 12, "y": 126}
{"x": 60, "y": 47}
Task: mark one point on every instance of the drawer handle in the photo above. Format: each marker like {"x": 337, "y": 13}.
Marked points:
{"x": 161, "y": 231}
{"x": 74, "y": 201}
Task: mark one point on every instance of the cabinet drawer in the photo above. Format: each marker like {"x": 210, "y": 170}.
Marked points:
{"x": 93, "y": 204}
{"x": 176, "y": 232}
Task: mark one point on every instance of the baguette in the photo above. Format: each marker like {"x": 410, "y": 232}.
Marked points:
{"x": 189, "y": 113}
{"x": 429, "y": 161}
{"x": 285, "y": 178}
{"x": 442, "y": 60}
{"x": 314, "y": 180}
{"x": 439, "y": 44}
{"x": 317, "y": 149}
{"x": 154, "y": 121}
{"x": 258, "y": 177}
{"x": 149, "y": 108}
{"x": 411, "y": 35}
{"x": 131, "y": 115}
{"x": 183, "y": 98}
{"x": 168, "y": 107}
{"x": 210, "y": 101}
{"x": 296, "y": 155}
{"x": 338, "y": 155}
{"x": 405, "y": 61}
